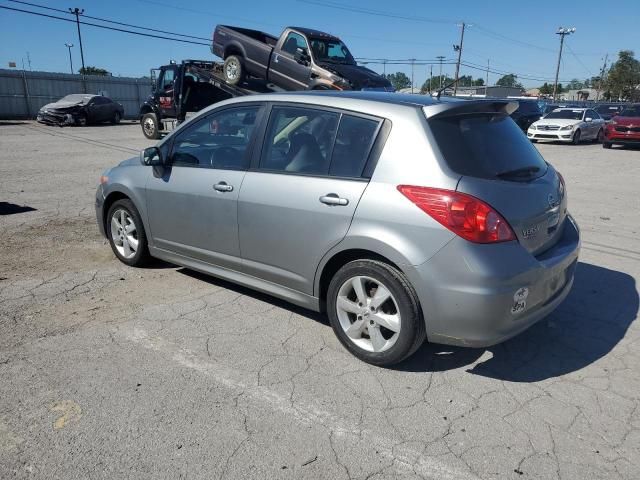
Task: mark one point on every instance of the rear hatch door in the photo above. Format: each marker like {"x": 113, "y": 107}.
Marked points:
{"x": 500, "y": 166}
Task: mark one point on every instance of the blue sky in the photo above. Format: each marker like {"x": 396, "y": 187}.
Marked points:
{"x": 516, "y": 37}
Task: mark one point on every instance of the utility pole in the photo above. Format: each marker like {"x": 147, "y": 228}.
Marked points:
{"x": 69, "y": 45}
{"x": 384, "y": 66}
{"x": 77, "y": 12}
{"x": 458, "y": 48}
{"x": 440, "y": 58}
{"x": 486, "y": 84}
{"x": 413, "y": 61}
{"x": 430, "y": 77}
{"x": 562, "y": 32}
{"x": 29, "y": 61}
{"x": 604, "y": 67}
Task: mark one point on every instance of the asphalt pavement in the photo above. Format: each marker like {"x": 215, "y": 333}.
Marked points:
{"x": 113, "y": 372}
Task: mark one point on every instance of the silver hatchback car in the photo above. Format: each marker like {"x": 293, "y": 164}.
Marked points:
{"x": 403, "y": 217}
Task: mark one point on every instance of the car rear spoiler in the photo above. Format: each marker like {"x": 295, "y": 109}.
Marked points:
{"x": 449, "y": 109}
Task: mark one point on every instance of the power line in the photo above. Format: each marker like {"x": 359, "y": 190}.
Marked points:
{"x": 586, "y": 69}
{"x": 379, "y": 13}
{"x": 105, "y": 27}
{"x": 112, "y": 21}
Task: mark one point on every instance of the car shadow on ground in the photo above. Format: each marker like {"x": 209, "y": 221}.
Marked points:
{"x": 586, "y": 327}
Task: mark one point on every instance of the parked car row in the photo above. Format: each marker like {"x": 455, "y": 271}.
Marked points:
{"x": 576, "y": 125}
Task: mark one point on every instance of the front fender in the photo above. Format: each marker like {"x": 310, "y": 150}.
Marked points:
{"x": 131, "y": 183}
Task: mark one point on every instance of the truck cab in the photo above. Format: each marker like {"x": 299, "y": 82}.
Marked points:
{"x": 178, "y": 89}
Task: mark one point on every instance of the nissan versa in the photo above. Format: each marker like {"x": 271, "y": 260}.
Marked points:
{"x": 404, "y": 218}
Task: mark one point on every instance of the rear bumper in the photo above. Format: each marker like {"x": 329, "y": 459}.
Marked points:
{"x": 479, "y": 295}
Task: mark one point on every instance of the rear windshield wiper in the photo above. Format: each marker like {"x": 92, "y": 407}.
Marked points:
{"x": 523, "y": 172}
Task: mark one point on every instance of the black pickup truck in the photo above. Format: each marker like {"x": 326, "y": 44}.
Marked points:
{"x": 301, "y": 59}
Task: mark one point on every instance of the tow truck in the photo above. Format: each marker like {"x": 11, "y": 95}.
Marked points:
{"x": 181, "y": 89}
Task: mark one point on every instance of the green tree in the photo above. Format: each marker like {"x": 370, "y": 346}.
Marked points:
{"x": 575, "y": 84}
{"x": 436, "y": 82}
{"x": 399, "y": 80}
{"x": 510, "y": 80}
{"x": 479, "y": 82}
{"x": 546, "y": 89}
{"x": 94, "y": 71}
{"x": 623, "y": 80}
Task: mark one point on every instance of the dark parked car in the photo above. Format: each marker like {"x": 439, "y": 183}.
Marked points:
{"x": 608, "y": 110}
{"x": 81, "y": 109}
{"x": 528, "y": 112}
{"x": 301, "y": 59}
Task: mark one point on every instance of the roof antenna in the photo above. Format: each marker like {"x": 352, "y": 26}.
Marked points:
{"x": 439, "y": 92}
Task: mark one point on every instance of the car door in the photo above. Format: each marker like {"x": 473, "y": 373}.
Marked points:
{"x": 596, "y": 122}
{"x": 298, "y": 199}
{"x": 284, "y": 70}
{"x": 192, "y": 204}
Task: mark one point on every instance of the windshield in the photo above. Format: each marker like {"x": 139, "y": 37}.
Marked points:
{"x": 76, "y": 97}
{"x": 567, "y": 114}
{"x": 486, "y": 146}
{"x": 330, "y": 50}
{"x": 631, "y": 111}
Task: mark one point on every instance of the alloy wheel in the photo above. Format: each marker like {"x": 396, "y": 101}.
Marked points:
{"x": 124, "y": 233}
{"x": 149, "y": 126}
{"x": 368, "y": 313}
{"x": 232, "y": 70}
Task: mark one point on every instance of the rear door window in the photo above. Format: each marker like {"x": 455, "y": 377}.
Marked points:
{"x": 352, "y": 146}
{"x": 486, "y": 146}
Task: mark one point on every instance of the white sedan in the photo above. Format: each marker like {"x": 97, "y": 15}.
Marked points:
{"x": 571, "y": 125}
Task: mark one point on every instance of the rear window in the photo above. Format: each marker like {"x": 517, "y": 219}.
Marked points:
{"x": 486, "y": 146}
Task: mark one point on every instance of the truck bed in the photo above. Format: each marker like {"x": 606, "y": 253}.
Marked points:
{"x": 253, "y": 45}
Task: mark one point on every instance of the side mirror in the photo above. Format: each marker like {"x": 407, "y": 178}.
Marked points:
{"x": 152, "y": 156}
{"x": 588, "y": 119}
{"x": 302, "y": 56}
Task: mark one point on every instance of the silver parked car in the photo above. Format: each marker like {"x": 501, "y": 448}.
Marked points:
{"x": 572, "y": 125}
{"x": 402, "y": 217}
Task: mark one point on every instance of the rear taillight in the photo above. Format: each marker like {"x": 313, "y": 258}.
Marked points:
{"x": 464, "y": 215}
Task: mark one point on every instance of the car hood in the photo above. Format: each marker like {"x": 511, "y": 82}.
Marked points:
{"x": 130, "y": 161}
{"x": 563, "y": 122}
{"x": 626, "y": 120}
{"x": 360, "y": 77}
{"x": 61, "y": 105}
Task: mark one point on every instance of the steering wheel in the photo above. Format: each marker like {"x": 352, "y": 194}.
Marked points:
{"x": 230, "y": 156}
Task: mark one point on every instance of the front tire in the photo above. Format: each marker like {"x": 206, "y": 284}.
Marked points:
{"x": 149, "y": 123}
{"x": 126, "y": 234}
{"x": 116, "y": 118}
{"x": 375, "y": 312}
{"x": 233, "y": 70}
{"x": 576, "y": 138}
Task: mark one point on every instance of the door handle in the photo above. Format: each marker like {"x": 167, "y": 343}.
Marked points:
{"x": 223, "y": 187}
{"x": 333, "y": 199}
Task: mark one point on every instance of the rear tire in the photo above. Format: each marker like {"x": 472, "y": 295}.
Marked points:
{"x": 149, "y": 123}
{"x": 606, "y": 145}
{"x": 365, "y": 327}
{"x": 125, "y": 231}
{"x": 600, "y": 137}
{"x": 233, "y": 70}
{"x": 576, "y": 138}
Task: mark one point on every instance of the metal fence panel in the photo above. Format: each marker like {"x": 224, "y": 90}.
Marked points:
{"x": 23, "y": 93}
